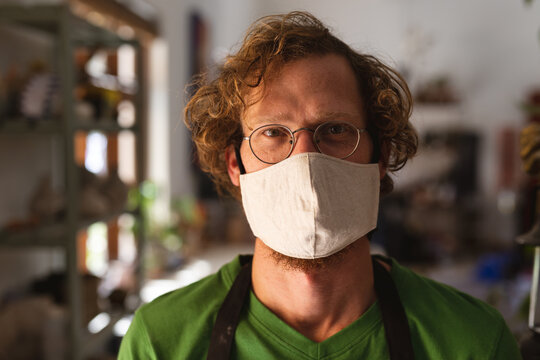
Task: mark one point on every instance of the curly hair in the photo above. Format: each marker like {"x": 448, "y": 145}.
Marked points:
{"x": 214, "y": 113}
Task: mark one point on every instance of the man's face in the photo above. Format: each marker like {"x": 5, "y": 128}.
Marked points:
{"x": 305, "y": 93}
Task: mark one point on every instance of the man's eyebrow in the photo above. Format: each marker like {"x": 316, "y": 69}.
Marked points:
{"x": 332, "y": 115}
{"x": 269, "y": 119}
{"x": 283, "y": 118}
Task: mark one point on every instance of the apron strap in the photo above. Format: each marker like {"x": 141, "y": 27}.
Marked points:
{"x": 228, "y": 316}
{"x": 396, "y": 326}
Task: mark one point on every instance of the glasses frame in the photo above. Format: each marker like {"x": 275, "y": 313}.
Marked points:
{"x": 359, "y": 131}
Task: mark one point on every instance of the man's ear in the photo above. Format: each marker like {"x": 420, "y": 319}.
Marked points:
{"x": 232, "y": 165}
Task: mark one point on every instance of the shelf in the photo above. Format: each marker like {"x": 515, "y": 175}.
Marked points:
{"x": 47, "y": 18}
{"x": 51, "y": 235}
{"x": 84, "y": 223}
{"x": 67, "y": 32}
{"x": 23, "y": 126}
{"x": 48, "y": 235}
{"x": 105, "y": 126}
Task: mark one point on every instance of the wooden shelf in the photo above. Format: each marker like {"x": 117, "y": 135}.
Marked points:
{"x": 48, "y": 19}
{"x": 54, "y": 234}
{"x": 48, "y": 235}
{"x": 23, "y": 126}
{"x": 68, "y": 32}
{"x": 109, "y": 126}
{"x": 84, "y": 223}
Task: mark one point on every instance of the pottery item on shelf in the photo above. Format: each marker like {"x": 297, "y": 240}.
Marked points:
{"x": 45, "y": 203}
{"x": 87, "y": 178}
{"x": 115, "y": 190}
{"x": 40, "y": 97}
{"x": 13, "y": 83}
{"x": 92, "y": 203}
{"x": 84, "y": 112}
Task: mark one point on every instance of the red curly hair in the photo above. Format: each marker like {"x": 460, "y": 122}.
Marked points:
{"x": 214, "y": 113}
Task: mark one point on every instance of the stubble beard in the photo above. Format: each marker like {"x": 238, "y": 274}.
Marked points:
{"x": 311, "y": 265}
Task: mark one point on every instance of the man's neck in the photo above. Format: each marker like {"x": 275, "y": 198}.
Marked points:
{"x": 317, "y": 302}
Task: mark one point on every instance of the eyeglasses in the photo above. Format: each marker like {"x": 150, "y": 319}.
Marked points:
{"x": 273, "y": 143}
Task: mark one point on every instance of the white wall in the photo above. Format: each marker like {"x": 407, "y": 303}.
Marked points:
{"x": 167, "y": 99}
{"x": 229, "y": 20}
{"x": 226, "y": 22}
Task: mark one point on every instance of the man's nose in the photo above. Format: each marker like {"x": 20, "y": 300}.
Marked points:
{"x": 304, "y": 141}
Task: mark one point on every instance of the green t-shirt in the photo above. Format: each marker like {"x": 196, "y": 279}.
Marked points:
{"x": 444, "y": 324}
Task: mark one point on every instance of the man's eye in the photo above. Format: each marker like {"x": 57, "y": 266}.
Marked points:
{"x": 336, "y": 129}
{"x": 274, "y": 132}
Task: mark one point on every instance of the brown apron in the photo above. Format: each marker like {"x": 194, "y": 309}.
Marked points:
{"x": 396, "y": 327}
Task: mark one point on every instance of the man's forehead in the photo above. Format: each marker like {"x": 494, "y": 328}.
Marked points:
{"x": 304, "y": 92}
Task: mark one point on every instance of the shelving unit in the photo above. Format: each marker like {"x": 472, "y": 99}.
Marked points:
{"x": 70, "y": 32}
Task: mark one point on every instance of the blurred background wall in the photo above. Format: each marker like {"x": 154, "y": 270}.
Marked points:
{"x": 487, "y": 51}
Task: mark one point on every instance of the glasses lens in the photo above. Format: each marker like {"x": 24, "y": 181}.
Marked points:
{"x": 271, "y": 143}
{"x": 338, "y": 139}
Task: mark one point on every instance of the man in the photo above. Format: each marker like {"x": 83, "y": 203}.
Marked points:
{"x": 305, "y": 130}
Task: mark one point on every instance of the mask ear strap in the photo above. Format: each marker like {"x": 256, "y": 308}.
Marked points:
{"x": 239, "y": 161}
{"x": 375, "y": 157}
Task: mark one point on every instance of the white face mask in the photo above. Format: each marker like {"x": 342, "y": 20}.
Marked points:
{"x": 311, "y": 205}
